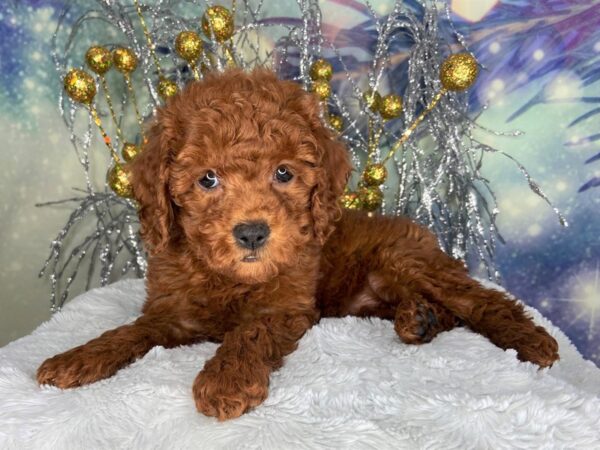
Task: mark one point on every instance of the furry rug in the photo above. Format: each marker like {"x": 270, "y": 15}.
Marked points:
{"x": 350, "y": 384}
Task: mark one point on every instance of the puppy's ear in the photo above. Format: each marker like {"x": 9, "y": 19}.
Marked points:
{"x": 333, "y": 173}
{"x": 149, "y": 175}
{"x": 333, "y": 167}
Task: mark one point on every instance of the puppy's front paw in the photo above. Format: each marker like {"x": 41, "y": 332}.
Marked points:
{"x": 538, "y": 347}
{"x": 76, "y": 367}
{"x": 229, "y": 393}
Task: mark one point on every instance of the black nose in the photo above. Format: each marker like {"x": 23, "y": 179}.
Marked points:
{"x": 251, "y": 235}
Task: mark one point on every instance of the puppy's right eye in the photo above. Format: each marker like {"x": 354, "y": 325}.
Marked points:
{"x": 209, "y": 180}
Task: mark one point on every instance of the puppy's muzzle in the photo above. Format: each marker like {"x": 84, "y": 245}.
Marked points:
{"x": 251, "y": 235}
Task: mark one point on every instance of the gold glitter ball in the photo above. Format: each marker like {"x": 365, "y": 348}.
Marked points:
{"x": 336, "y": 122}
{"x": 188, "y": 46}
{"x": 166, "y": 89}
{"x": 370, "y": 197}
{"x": 118, "y": 180}
{"x": 372, "y": 99}
{"x": 458, "y": 72}
{"x": 80, "y": 86}
{"x": 374, "y": 174}
{"x": 130, "y": 151}
{"x": 125, "y": 60}
{"x": 217, "y": 21}
{"x": 321, "y": 70}
{"x": 98, "y": 59}
{"x": 350, "y": 200}
{"x": 322, "y": 89}
{"x": 390, "y": 106}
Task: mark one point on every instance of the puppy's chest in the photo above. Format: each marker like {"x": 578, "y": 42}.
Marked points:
{"x": 244, "y": 305}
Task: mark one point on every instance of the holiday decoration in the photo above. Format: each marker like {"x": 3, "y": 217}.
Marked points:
{"x": 130, "y": 151}
{"x": 350, "y": 200}
{"x": 322, "y": 88}
{"x": 336, "y": 122}
{"x": 166, "y": 89}
{"x": 374, "y": 175}
{"x": 188, "y": 46}
{"x": 321, "y": 70}
{"x": 370, "y": 197}
{"x": 372, "y": 99}
{"x": 390, "y": 106}
{"x": 458, "y": 72}
{"x": 217, "y": 23}
{"x": 381, "y": 124}
{"x": 118, "y": 181}
{"x": 80, "y": 86}
{"x": 125, "y": 60}
{"x": 99, "y": 59}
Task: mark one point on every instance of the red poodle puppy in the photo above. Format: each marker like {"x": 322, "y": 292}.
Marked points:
{"x": 238, "y": 188}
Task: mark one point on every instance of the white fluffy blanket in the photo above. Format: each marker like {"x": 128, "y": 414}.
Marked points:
{"x": 351, "y": 384}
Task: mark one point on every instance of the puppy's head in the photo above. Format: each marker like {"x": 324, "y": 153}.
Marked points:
{"x": 240, "y": 168}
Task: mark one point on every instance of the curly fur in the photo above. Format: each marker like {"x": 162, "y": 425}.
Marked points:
{"x": 317, "y": 261}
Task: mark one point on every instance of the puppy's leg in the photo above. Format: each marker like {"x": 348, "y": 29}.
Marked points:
{"x": 486, "y": 311}
{"x": 237, "y": 377}
{"x": 102, "y": 357}
{"x": 502, "y": 320}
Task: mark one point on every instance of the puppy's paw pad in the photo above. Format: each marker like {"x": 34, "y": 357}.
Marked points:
{"x": 417, "y": 327}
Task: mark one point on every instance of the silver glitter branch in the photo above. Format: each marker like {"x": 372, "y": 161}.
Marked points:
{"x": 114, "y": 242}
{"x": 436, "y": 176}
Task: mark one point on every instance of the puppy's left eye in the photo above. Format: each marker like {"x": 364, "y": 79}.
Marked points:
{"x": 283, "y": 175}
{"x": 209, "y": 180}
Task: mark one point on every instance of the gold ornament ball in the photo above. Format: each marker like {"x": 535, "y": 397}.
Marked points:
{"x": 458, "y": 72}
{"x": 370, "y": 197}
{"x": 321, "y": 70}
{"x": 372, "y": 99}
{"x": 130, "y": 151}
{"x": 188, "y": 45}
{"x": 350, "y": 200}
{"x": 118, "y": 180}
{"x": 80, "y": 86}
{"x": 374, "y": 174}
{"x": 390, "y": 106}
{"x": 99, "y": 59}
{"x": 166, "y": 89}
{"x": 322, "y": 89}
{"x": 217, "y": 21}
{"x": 125, "y": 60}
{"x": 336, "y": 122}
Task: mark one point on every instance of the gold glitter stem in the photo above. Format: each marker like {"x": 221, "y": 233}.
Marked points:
{"x": 227, "y": 50}
{"x": 148, "y": 37}
{"x": 415, "y": 124}
{"x": 107, "y": 140}
{"x": 110, "y": 107}
{"x": 138, "y": 116}
{"x": 194, "y": 69}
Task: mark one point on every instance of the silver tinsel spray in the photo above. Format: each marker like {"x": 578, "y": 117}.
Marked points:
{"x": 434, "y": 177}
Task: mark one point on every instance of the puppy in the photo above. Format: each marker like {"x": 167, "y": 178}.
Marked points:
{"x": 238, "y": 188}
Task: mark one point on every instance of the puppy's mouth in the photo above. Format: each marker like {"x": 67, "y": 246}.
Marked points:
{"x": 250, "y": 258}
